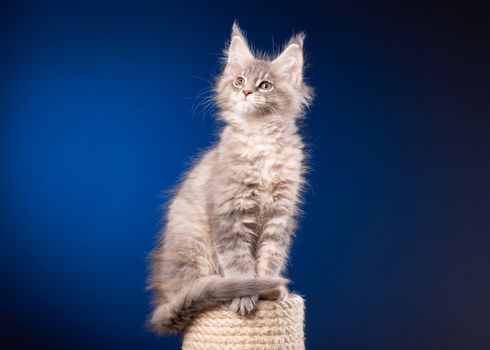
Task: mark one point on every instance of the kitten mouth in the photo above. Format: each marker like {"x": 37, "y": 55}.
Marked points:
{"x": 245, "y": 102}
{"x": 244, "y": 106}
{"x": 251, "y": 108}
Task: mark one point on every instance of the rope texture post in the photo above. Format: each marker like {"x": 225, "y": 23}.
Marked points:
{"x": 274, "y": 325}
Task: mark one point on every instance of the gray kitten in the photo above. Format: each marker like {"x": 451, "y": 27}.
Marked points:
{"x": 229, "y": 225}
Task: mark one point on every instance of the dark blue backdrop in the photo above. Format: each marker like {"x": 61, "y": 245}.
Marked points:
{"x": 97, "y": 119}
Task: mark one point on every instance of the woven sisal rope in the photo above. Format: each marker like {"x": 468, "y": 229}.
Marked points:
{"x": 274, "y": 325}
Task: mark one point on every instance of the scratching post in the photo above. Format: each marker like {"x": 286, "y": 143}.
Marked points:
{"x": 274, "y": 325}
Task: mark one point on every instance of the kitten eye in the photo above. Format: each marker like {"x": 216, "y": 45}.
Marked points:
{"x": 265, "y": 85}
{"x": 239, "y": 82}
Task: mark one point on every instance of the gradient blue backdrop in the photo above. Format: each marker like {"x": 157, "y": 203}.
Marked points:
{"x": 97, "y": 119}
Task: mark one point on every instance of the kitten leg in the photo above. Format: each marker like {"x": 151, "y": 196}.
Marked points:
{"x": 234, "y": 245}
{"x": 272, "y": 251}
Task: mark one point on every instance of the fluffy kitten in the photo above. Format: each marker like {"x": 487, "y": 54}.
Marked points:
{"x": 229, "y": 226}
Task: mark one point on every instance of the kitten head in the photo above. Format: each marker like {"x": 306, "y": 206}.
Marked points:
{"x": 259, "y": 87}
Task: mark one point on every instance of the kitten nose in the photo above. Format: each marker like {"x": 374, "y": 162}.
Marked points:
{"x": 246, "y": 92}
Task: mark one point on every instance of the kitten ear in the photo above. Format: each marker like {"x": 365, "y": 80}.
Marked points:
{"x": 290, "y": 61}
{"x": 238, "y": 51}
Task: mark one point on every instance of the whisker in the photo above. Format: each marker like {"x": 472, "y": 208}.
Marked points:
{"x": 201, "y": 78}
{"x": 203, "y": 103}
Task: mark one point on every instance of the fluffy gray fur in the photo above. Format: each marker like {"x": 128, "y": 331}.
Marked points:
{"x": 229, "y": 225}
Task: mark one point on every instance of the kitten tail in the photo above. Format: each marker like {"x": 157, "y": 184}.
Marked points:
{"x": 173, "y": 317}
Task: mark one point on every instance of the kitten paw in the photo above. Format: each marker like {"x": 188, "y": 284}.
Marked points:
{"x": 280, "y": 293}
{"x": 244, "y": 305}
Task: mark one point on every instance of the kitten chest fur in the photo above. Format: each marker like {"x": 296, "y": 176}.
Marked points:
{"x": 260, "y": 166}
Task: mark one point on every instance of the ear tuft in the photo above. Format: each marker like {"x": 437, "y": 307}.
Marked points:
{"x": 235, "y": 30}
{"x": 298, "y": 39}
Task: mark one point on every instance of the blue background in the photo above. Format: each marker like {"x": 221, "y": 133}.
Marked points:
{"x": 99, "y": 116}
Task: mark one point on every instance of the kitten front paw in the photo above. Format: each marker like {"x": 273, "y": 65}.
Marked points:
{"x": 244, "y": 305}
